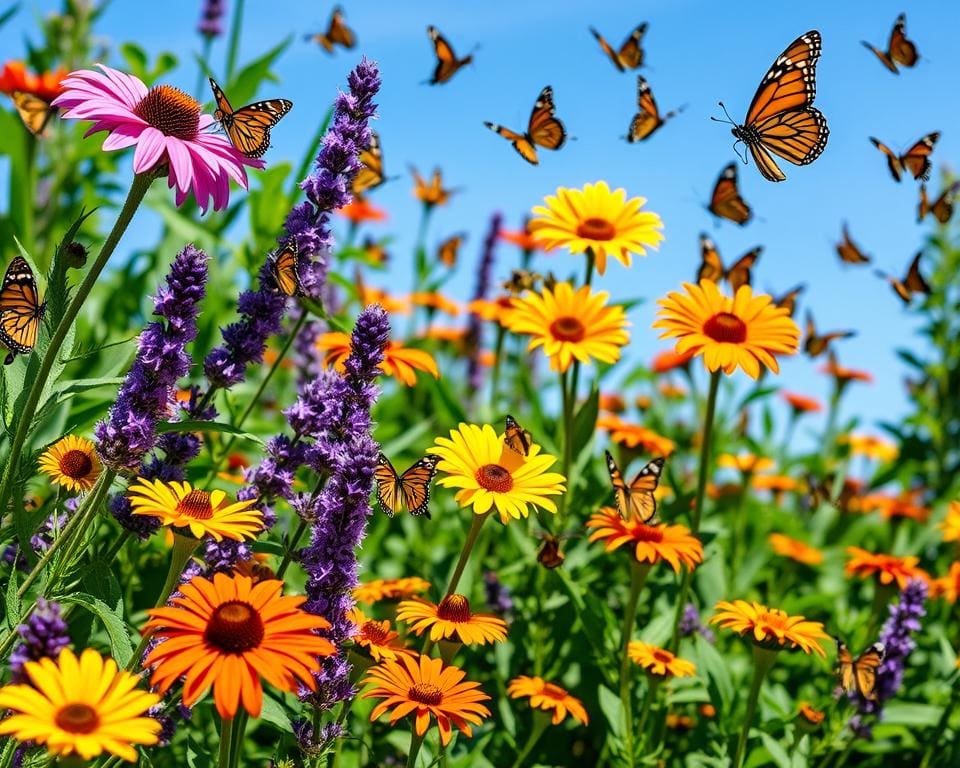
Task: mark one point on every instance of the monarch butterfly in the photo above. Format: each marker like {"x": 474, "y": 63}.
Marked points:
{"x": 916, "y": 160}
{"x": 515, "y": 437}
{"x": 544, "y": 129}
{"x": 521, "y": 280}
{"x": 781, "y": 119}
{"x": 630, "y": 55}
{"x": 283, "y": 268}
{"x": 859, "y": 675}
{"x": 637, "y": 500}
{"x": 648, "y": 120}
{"x": 449, "y": 250}
{"x": 815, "y": 344}
{"x": 711, "y": 268}
{"x": 912, "y": 283}
{"x": 34, "y": 111}
{"x": 899, "y": 50}
{"x": 370, "y": 176}
{"x": 410, "y": 490}
{"x": 447, "y": 62}
{"x": 942, "y": 208}
{"x": 789, "y": 300}
{"x": 550, "y": 555}
{"x": 725, "y": 202}
{"x": 849, "y": 251}
{"x": 249, "y": 127}
{"x": 338, "y": 33}
{"x": 20, "y": 309}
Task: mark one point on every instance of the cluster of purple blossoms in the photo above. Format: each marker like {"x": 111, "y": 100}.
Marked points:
{"x": 690, "y": 624}
{"x": 211, "y": 18}
{"x": 43, "y": 636}
{"x": 482, "y": 287}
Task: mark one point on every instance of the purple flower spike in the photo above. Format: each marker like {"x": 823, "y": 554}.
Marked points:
{"x": 43, "y": 636}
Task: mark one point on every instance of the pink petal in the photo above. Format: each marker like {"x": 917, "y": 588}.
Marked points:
{"x": 150, "y": 148}
{"x": 180, "y": 166}
{"x": 122, "y": 136}
{"x": 127, "y": 87}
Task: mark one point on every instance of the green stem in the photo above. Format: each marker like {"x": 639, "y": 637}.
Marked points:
{"x": 497, "y": 364}
{"x": 653, "y": 684}
{"x": 567, "y": 401}
{"x": 291, "y": 548}
{"x": 234, "y": 45}
{"x": 415, "y": 742}
{"x": 540, "y": 721}
{"x": 236, "y": 747}
{"x": 942, "y": 726}
{"x": 638, "y": 575}
{"x": 763, "y": 659}
{"x": 833, "y": 410}
{"x": 739, "y": 527}
{"x": 138, "y": 189}
{"x": 86, "y": 516}
{"x": 226, "y": 734}
{"x": 591, "y": 262}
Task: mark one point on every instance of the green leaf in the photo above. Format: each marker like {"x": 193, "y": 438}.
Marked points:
{"x": 585, "y": 421}
{"x": 66, "y": 389}
{"x": 112, "y": 619}
{"x": 274, "y": 713}
{"x": 909, "y": 713}
{"x": 9, "y": 13}
{"x": 12, "y": 601}
{"x": 711, "y": 663}
{"x": 612, "y": 709}
{"x": 778, "y": 754}
{"x": 208, "y": 426}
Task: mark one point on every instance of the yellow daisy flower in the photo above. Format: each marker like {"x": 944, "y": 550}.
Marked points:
{"x": 770, "y": 627}
{"x": 204, "y": 514}
{"x": 951, "y": 523}
{"x": 71, "y": 462}
{"x": 452, "y": 620}
{"x": 658, "y": 661}
{"x": 549, "y": 697}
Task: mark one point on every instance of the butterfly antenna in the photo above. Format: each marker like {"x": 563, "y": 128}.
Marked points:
{"x": 729, "y": 119}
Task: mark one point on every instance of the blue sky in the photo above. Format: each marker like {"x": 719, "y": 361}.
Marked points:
{"x": 697, "y": 53}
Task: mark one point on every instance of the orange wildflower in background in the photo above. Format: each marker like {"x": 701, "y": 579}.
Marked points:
{"x": 906, "y": 505}
{"x": 431, "y": 194}
{"x": 613, "y": 402}
{"x": 745, "y": 462}
{"x": 811, "y": 715}
{"x": 844, "y": 375}
{"x": 948, "y": 587}
{"x": 376, "y": 637}
{"x": 389, "y": 589}
{"x": 669, "y": 360}
{"x": 659, "y": 662}
{"x": 672, "y": 391}
{"x": 801, "y": 403}
{"x": 425, "y": 687}
{"x": 871, "y": 446}
{"x": 400, "y": 362}
{"x": 14, "y": 77}
{"x": 951, "y": 523}
{"x": 360, "y": 210}
{"x": 202, "y": 513}
{"x": 779, "y": 484}
{"x": 549, "y": 697}
{"x": 635, "y": 436}
{"x": 746, "y": 331}
{"x": 452, "y": 620}
{"x": 651, "y": 543}
{"x": 886, "y": 568}
{"x": 770, "y": 627}
{"x": 228, "y": 633}
{"x": 71, "y": 462}
{"x": 434, "y": 300}
{"x": 369, "y": 295}
{"x": 494, "y": 311}
{"x": 795, "y": 550}
{"x": 522, "y": 238}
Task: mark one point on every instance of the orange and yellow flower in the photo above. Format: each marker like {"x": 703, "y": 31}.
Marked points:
{"x": 360, "y": 210}
{"x": 651, "y": 543}
{"x": 905, "y": 505}
{"x": 202, "y": 513}
{"x": 948, "y": 587}
{"x": 452, "y": 620}
{"x": 886, "y": 568}
{"x": 795, "y": 549}
{"x": 376, "y": 637}
{"x": 951, "y": 523}
{"x": 228, "y": 633}
{"x": 812, "y": 716}
{"x": 612, "y": 402}
{"x": 635, "y": 436}
{"x": 71, "y": 462}
{"x": 746, "y": 331}
{"x": 492, "y": 310}
{"x": 745, "y": 462}
{"x": 770, "y": 627}
{"x": 435, "y": 301}
{"x": 14, "y": 77}
{"x": 426, "y": 687}
{"x": 669, "y": 360}
{"x": 658, "y": 661}
{"x": 871, "y": 446}
{"x": 802, "y": 403}
{"x": 522, "y": 238}
{"x": 431, "y": 193}
{"x": 400, "y": 362}
{"x": 389, "y": 589}
{"x": 779, "y": 484}
{"x": 370, "y": 295}
{"x": 844, "y": 375}
{"x": 549, "y": 697}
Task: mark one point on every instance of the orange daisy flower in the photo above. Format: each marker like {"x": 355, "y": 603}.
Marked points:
{"x": 389, "y": 589}
{"x": 651, "y": 543}
{"x": 369, "y": 295}
{"x": 811, "y": 716}
{"x": 228, "y": 633}
{"x": 643, "y": 402}
{"x": 434, "y": 300}
{"x": 844, "y": 375}
{"x": 495, "y": 311}
{"x": 14, "y": 77}
{"x": 948, "y": 587}
{"x": 360, "y": 210}
{"x": 452, "y": 620}
{"x": 549, "y": 697}
{"x": 376, "y": 637}
{"x": 423, "y": 687}
{"x": 801, "y": 403}
{"x": 71, "y": 462}
{"x": 669, "y": 360}
{"x": 658, "y": 661}
{"x": 887, "y": 568}
{"x": 612, "y": 402}
{"x": 522, "y": 238}
{"x": 904, "y": 506}
{"x": 635, "y": 436}
{"x": 400, "y": 362}
{"x": 779, "y": 484}
{"x": 744, "y": 462}
{"x": 770, "y": 627}
{"x": 795, "y": 550}
{"x": 951, "y": 523}
{"x": 871, "y": 446}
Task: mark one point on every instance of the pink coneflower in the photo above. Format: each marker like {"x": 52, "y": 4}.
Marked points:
{"x": 167, "y": 128}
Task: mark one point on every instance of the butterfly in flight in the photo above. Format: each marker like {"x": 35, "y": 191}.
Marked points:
{"x": 338, "y": 33}
{"x": 781, "y": 118}
{"x": 648, "y": 119}
{"x": 915, "y": 160}
{"x": 550, "y": 555}
{"x": 899, "y": 50}
{"x": 848, "y": 251}
{"x": 410, "y": 491}
{"x": 942, "y": 207}
{"x": 283, "y": 268}
{"x": 859, "y": 675}
{"x": 515, "y": 437}
{"x": 630, "y": 55}
{"x": 34, "y": 111}
{"x": 912, "y": 283}
{"x": 711, "y": 268}
{"x": 20, "y": 309}
{"x": 370, "y": 176}
{"x": 521, "y": 280}
{"x": 636, "y": 500}
{"x": 248, "y": 128}
{"x": 726, "y": 202}
{"x": 789, "y": 300}
{"x": 447, "y": 62}
{"x": 432, "y": 193}
{"x": 449, "y": 250}
{"x": 544, "y": 129}
{"x": 375, "y": 252}
{"x": 815, "y": 345}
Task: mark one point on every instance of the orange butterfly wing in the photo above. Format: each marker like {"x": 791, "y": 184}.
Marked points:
{"x": 726, "y": 201}
{"x": 901, "y": 50}
{"x": 848, "y": 251}
{"x": 283, "y": 267}
{"x": 447, "y": 62}
{"x": 515, "y": 437}
{"x": 739, "y": 273}
{"x": 608, "y": 49}
{"x": 410, "y": 490}
{"x": 630, "y": 54}
{"x": 449, "y": 249}
{"x": 643, "y": 503}
{"x": 20, "y": 309}
{"x": 545, "y": 129}
{"x": 789, "y": 300}
{"x": 914, "y": 281}
{"x": 248, "y": 128}
{"x": 711, "y": 268}
{"x": 34, "y": 111}
{"x": 370, "y": 176}
{"x": 917, "y": 158}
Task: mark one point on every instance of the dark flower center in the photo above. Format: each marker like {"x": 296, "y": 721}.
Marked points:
{"x": 374, "y": 632}
{"x": 196, "y": 504}
{"x": 567, "y": 329}
{"x": 76, "y": 464}
{"x": 553, "y": 691}
{"x": 663, "y": 656}
{"x": 235, "y": 627}
{"x": 726, "y": 328}
{"x": 455, "y": 608}
{"x": 170, "y": 111}
{"x": 77, "y": 718}
{"x": 642, "y": 532}
{"x": 495, "y": 478}
{"x": 596, "y": 229}
{"x": 426, "y": 693}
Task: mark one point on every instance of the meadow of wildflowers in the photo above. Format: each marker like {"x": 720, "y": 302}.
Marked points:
{"x": 257, "y": 511}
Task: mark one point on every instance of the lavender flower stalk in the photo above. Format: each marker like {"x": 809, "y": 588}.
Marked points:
{"x": 211, "y": 18}
{"x": 43, "y": 636}
{"x": 474, "y": 326}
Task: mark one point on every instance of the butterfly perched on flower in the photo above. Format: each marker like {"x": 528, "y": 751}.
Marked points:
{"x": 915, "y": 160}
{"x": 711, "y": 268}
{"x": 789, "y": 300}
{"x": 338, "y": 33}
{"x": 34, "y": 111}
{"x": 900, "y": 50}
{"x": 20, "y": 309}
{"x": 912, "y": 283}
{"x": 648, "y": 118}
{"x": 544, "y": 129}
{"x": 447, "y": 62}
{"x": 370, "y": 175}
{"x": 848, "y": 251}
{"x": 449, "y": 250}
{"x": 815, "y": 344}
{"x": 942, "y": 208}
{"x": 248, "y": 128}
{"x": 410, "y": 491}
{"x": 859, "y": 675}
{"x": 515, "y": 437}
{"x": 283, "y": 268}
{"x": 630, "y": 53}
{"x": 726, "y": 202}
{"x": 636, "y": 500}
{"x": 781, "y": 119}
